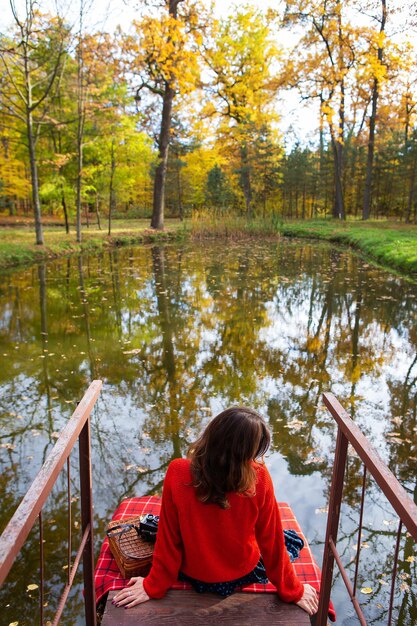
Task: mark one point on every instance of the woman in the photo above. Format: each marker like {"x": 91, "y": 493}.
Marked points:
{"x": 218, "y": 516}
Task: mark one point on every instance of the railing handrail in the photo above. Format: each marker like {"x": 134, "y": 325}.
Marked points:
{"x": 399, "y": 499}
{"x": 403, "y": 505}
{"x": 20, "y": 525}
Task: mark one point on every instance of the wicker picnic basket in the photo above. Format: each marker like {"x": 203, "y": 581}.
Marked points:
{"x": 132, "y": 554}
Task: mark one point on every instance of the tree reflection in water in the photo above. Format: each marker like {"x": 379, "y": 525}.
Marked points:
{"x": 178, "y": 333}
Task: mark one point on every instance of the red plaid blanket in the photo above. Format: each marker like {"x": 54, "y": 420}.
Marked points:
{"x": 108, "y": 577}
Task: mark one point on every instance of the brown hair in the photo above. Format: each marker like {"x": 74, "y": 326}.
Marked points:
{"x": 221, "y": 458}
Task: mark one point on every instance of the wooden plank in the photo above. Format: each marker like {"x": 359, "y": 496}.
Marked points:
{"x": 188, "y": 608}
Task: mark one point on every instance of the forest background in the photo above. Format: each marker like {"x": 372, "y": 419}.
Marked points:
{"x": 184, "y": 111}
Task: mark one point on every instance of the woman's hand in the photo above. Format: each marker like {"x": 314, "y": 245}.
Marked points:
{"x": 309, "y": 601}
{"x": 131, "y": 595}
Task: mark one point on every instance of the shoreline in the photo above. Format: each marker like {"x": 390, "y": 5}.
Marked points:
{"x": 390, "y": 245}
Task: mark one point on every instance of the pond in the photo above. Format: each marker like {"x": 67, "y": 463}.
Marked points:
{"x": 179, "y": 332}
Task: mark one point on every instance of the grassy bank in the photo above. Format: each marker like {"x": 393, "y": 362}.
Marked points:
{"x": 17, "y": 245}
{"x": 391, "y": 244}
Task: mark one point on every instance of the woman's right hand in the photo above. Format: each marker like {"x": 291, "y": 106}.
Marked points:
{"x": 309, "y": 601}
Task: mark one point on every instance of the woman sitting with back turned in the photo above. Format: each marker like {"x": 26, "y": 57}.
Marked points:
{"x": 218, "y": 516}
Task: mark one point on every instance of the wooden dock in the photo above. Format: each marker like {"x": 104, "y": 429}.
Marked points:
{"x": 188, "y": 608}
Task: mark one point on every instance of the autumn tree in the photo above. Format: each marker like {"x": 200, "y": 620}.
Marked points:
{"x": 218, "y": 191}
{"x": 32, "y": 63}
{"x": 162, "y": 57}
{"x": 328, "y": 55}
{"x": 240, "y": 56}
{"x": 111, "y": 169}
{"x": 378, "y": 72}
{"x": 81, "y": 110}
{"x": 14, "y": 181}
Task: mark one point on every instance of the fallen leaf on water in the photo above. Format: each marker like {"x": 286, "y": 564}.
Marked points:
{"x": 366, "y": 590}
{"x": 8, "y": 446}
{"x": 32, "y": 587}
{"x": 397, "y": 420}
{"x": 14, "y": 624}
{"x": 410, "y": 559}
{"x": 323, "y": 509}
{"x": 294, "y": 425}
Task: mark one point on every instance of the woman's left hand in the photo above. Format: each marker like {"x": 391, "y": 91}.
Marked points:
{"x": 131, "y": 595}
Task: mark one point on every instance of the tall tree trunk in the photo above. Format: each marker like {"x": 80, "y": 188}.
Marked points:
{"x": 338, "y": 141}
{"x": 157, "y": 221}
{"x": 338, "y": 204}
{"x": 179, "y": 189}
{"x": 64, "y": 208}
{"x": 337, "y": 144}
{"x": 412, "y": 188}
{"x": 32, "y": 156}
{"x": 246, "y": 182}
{"x": 98, "y": 212}
{"x": 111, "y": 186}
{"x": 35, "y": 181}
{"x": 303, "y": 205}
{"x": 321, "y": 200}
{"x": 366, "y": 211}
{"x": 80, "y": 120}
{"x": 78, "y": 196}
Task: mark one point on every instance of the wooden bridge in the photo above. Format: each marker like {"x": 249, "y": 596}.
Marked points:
{"x": 187, "y": 607}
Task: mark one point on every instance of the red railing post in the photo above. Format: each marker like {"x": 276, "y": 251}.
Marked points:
{"x": 86, "y": 485}
{"x": 22, "y": 521}
{"x": 333, "y": 515}
{"x": 403, "y": 505}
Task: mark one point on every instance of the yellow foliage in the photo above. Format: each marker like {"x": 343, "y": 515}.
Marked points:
{"x": 197, "y": 166}
{"x": 165, "y": 51}
{"x": 13, "y": 177}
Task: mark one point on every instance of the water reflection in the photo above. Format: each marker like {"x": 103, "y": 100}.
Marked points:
{"x": 178, "y": 333}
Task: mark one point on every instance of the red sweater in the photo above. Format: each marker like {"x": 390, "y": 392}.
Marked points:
{"x": 213, "y": 544}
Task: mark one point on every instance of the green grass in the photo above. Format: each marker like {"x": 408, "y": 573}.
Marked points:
{"x": 17, "y": 244}
{"x": 391, "y": 244}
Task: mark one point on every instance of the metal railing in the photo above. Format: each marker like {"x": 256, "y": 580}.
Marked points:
{"x": 349, "y": 433}
{"x": 30, "y": 509}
